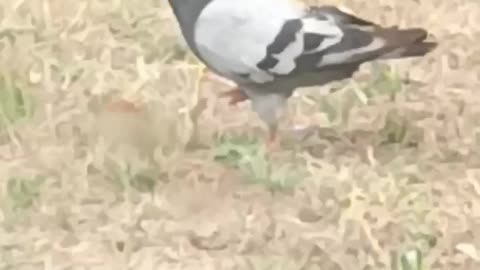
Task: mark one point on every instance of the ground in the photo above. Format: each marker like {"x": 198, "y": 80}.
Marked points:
{"x": 388, "y": 169}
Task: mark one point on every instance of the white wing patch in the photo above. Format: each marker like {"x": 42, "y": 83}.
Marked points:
{"x": 325, "y": 28}
{"x": 286, "y": 59}
{"x": 345, "y": 56}
{"x": 288, "y": 56}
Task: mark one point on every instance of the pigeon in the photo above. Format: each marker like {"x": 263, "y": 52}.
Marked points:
{"x": 270, "y": 48}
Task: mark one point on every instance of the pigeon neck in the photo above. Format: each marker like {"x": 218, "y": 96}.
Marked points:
{"x": 187, "y": 13}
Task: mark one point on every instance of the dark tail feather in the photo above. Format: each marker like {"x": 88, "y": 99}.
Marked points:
{"x": 413, "y": 50}
{"x": 404, "y": 43}
{"x": 395, "y": 37}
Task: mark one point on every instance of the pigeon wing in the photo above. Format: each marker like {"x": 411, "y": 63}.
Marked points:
{"x": 261, "y": 40}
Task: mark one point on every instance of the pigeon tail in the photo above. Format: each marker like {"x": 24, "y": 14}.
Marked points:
{"x": 405, "y": 43}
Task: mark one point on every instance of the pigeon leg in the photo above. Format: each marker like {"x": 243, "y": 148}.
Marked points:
{"x": 270, "y": 107}
{"x": 236, "y": 95}
{"x": 273, "y": 141}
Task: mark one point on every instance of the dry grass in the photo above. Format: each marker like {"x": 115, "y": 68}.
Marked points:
{"x": 395, "y": 167}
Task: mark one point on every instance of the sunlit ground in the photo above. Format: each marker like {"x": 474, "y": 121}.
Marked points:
{"x": 389, "y": 168}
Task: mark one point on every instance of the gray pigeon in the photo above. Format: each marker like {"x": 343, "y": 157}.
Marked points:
{"x": 269, "y": 48}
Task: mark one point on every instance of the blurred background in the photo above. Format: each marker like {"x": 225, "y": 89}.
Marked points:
{"x": 385, "y": 176}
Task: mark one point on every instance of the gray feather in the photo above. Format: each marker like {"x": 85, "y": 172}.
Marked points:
{"x": 269, "y": 55}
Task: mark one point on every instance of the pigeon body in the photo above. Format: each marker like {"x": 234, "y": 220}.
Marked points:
{"x": 269, "y": 48}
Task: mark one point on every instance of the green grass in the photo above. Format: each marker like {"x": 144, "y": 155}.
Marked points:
{"x": 356, "y": 191}
{"x": 409, "y": 259}
{"x": 251, "y": 159}
{"x": 15, "y": 103}
{"x": 22, "y": 192}
{"x": 386, "y": 81}
{"x": 132, "y": 177}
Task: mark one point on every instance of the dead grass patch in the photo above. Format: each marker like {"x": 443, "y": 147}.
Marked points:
{"x": 386, "y": 175}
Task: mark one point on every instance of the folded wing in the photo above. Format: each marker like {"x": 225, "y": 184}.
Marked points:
{"x": 247, "y": 41}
